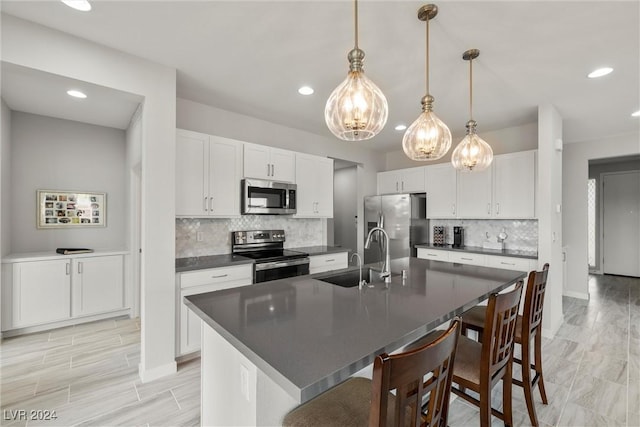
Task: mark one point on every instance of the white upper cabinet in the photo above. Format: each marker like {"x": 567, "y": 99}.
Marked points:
{"x": 410, "y": 180}
{"x": 440, "y": 185}
{"x": 208, "y": 174}
{"x": 514, "y": 185}
{"x": 314, "y": 178}
{"x": 506, "y": 189}
{"x": 269, "y": 163}
{"x": 474, "y": 194}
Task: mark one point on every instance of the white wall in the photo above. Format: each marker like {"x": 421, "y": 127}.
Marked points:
{"x": 502, "y": 141}
{"x": 5, "y": 175}
{"x": 548, "y": 211}
{"x": 575, "y": 173}
{"x": 54, "y": 154}
{"x": 34, "y": 46}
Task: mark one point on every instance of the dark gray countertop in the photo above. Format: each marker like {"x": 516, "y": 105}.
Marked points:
{"x": 308, "y": 335}
{"x": 320, "y": 250}
{"x": 480, "y": 250}
{"x": 211, "y": 261}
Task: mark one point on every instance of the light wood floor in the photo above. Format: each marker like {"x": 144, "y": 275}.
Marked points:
{"x": 88, "y": 374}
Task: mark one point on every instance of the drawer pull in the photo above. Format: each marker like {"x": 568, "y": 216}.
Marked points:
{"x": 466, "y": 259}
{"x": 330, "y": 260}
{"x": 220, "y": 276}
{"x": 507, "y": 263}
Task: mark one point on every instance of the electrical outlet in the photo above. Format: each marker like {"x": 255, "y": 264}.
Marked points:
{"x": 244, "y": 382}
{"x": 199, "y": 236}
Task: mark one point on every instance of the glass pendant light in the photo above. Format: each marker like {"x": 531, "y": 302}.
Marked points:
{"x": 357, "y": 109}
{"x": 428, "y": 138}
{"x": 472, "y": 153}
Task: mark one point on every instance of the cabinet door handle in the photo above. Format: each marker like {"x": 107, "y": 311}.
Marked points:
{"x": 211, "y": 204}
{"x": 432, "y": 254}
{"x": 79, "y": 268}
{"x": 506, "y": 263}
{"x": 219, "y": 276}
{"x": 488, "y": 208}
{"x": 68, "y": 268}
{"x": 453, "y": 208}
{"x": 396, "y": 185}
{"x": 466, "y": 259}
{"x": 329, "y": 260}
{"x": 497, "y": 208}
{"x": 205, "y": 204}
{"x": 268, "y": 169}
{"x": 402, "y": 186}
{"x": 273, "y": 169}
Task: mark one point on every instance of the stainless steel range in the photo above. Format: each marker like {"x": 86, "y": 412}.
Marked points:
{"x": 272, "y": 261}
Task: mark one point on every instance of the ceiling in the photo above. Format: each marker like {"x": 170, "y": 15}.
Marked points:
{"x": 250, "y": 57}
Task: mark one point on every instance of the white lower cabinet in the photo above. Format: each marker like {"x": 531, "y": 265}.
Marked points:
{"x": 460, "y": 257}
{"x": 433, "y": 254}
{"x": 200, "y": 282}
{"x": 43, "y": 292}
{"x": 327, "y": 262}
{"x": 98, "y": 285}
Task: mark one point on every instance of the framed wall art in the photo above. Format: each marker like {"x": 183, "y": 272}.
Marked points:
{"x": 70, "y": 209}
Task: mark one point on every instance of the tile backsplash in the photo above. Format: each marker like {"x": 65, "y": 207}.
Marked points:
{"x": 522, "y": 234}
{"x": 216, "y": 232}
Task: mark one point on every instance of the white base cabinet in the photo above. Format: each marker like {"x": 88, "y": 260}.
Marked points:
{"x": 328, "y": 262}
{"x": 195, "y": 282}
{"x": 43, "y": 291}
{"x": 495, "y": 261}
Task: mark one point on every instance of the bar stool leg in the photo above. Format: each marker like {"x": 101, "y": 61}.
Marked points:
{"x": 485, "y": 405}
{"x": 538, "y": 365}
{"x": 526, "y": 383}
{"x": 507, "y": 388}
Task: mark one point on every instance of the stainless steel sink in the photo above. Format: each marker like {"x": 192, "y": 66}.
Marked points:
{"x": 350, "y": 279}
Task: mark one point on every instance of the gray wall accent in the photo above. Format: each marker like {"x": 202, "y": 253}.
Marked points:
{"x": 5, "y": 176}
{"x": 345, "y": 208}
{"x": 49, "y": 153}
{"x": 216, "y": 233}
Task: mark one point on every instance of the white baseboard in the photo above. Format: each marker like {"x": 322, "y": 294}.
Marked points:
{"x": 147, "y": 375}
{"x": 579, "y": 295}
{"x": 62, "y": 323}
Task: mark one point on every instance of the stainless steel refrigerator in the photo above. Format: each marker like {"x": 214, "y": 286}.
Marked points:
{"x": 403, "y": 217}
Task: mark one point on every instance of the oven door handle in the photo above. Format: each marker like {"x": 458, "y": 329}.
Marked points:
{"x": 280, "y": 264}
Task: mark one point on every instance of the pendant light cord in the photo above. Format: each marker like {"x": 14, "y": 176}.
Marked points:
{"x": 471, "y": 89}
{"x": 427, "y": 59}
{"x": 355, "y": 14}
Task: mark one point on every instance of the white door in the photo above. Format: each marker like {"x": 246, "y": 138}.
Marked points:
{"x": 41, "y": 292}
{"x": 97, "y": 285}
{"x": 621, "y": 231}
{"x": 440, "y": 183}
{"x": 225, "y": 172}
{"x": 192, "y": 173}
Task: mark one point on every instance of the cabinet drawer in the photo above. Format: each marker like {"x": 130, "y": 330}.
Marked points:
{"x": 226, "y": 277}
{"x": 468, "y": 258}
{"x": 433, "y": 254}
{"x": 320, "y": 263}
{"x": 509, "y": 263}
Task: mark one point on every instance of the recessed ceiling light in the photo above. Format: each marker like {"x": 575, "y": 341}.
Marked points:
{"x": 76, "y": 94}
{"x": 636, "y": 114}
{"x": 305, "y": 90}
{"x": 82, "y": 5}
{"x": 401, "y": 127}
{"x": 599, "y": 72}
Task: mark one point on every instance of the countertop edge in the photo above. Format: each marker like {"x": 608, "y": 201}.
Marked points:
{"x": 47, "y": 255}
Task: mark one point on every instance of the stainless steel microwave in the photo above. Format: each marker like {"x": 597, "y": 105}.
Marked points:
{"x": 268, "y": 197}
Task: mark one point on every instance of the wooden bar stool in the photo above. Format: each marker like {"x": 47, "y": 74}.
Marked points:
{"x": 529, "y": 328}
{"x": 480, "y": 366}
{"x": 362, "y": 402}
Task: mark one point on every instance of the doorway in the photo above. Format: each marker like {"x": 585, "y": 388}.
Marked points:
{"x": 621, "y": 223}
{"x": 345, "y": 206}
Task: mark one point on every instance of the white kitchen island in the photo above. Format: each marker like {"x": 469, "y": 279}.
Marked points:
{"x": 266, "y": 348}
